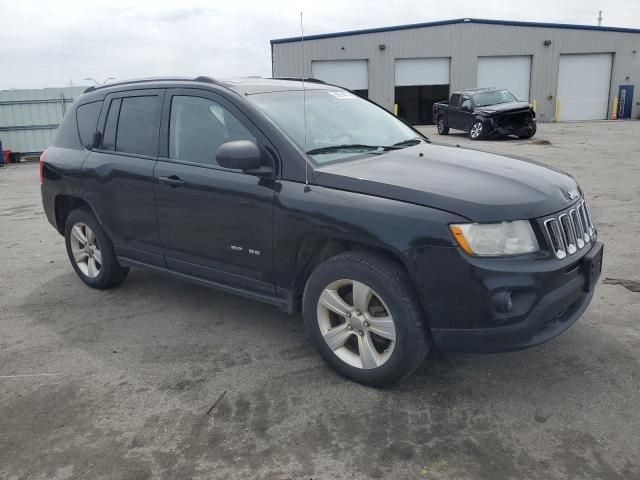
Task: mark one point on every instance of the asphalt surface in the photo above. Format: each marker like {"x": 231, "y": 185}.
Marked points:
{"x": 163, "y": 379}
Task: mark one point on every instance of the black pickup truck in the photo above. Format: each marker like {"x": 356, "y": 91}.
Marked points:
{"x": 484, "y": 112}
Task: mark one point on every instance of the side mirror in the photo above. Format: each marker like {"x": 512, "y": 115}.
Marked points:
{"x": 241, "y": 155}
{"x": 466, "y": 107}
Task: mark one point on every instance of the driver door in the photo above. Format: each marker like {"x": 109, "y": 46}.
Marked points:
{"x": 466, "y": 116}
{"x": 215, "y": 223}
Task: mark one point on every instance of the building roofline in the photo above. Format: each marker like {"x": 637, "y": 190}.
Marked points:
{"x": 484, "y": 21}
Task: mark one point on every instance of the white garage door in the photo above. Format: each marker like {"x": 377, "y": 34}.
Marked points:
{"x": 510, "y": 72}
{"x": 583, "y": 86}
{"x": 422, "y": 71}
{"x": 351, "y": 74}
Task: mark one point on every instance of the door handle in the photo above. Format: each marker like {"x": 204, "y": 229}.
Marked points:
{"x": 173, "y": 181}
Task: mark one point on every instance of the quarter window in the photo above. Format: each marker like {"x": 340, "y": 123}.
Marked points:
{"x": 87, "y": 118}
{"x": 198, "y": 126}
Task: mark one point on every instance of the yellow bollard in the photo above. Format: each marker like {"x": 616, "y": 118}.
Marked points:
{"x": 614, "y": 113}
{"x": 557, "y": 110}
{"x": 395, "y": 109}
{"x": 534, "y": 105}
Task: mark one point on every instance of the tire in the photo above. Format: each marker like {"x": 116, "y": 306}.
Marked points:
{"x": 443, "y": 129}
{"x": 91, "y": 252}
{"x": 531, "y": 132}
{"x": 477, "y": 130}
{"x": 359, "y": 353}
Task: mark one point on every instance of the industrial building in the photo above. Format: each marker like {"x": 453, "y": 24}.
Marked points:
{"x": 29, "y": 118}
{"x": 569, "y": 72}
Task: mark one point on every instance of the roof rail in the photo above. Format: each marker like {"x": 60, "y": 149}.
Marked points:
{"x": 151, "y": 79}
{"x": 300, "y": 79}
{"x": 206, "y": 79}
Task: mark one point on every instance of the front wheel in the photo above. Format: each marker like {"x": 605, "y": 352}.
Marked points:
{"x": 476, "y": 131}
{"x": 531, "y": 131}
{"x": 443, "y": 129}
{"x": 363, "y": 318}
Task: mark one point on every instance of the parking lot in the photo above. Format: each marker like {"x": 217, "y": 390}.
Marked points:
{"x": 164, "y": 379}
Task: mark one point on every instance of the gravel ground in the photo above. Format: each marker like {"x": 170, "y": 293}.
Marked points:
{"x": 121, "y": 384}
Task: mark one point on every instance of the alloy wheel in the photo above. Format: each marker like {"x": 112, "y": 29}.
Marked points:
{"x": 356, "y": 324}
{"x": 476, "y": 130}
{"x": 440, "y": 125}
{"x": 86, "y": 250}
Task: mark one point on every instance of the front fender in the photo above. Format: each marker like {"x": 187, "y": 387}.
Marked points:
{"x": 305, "y": 213}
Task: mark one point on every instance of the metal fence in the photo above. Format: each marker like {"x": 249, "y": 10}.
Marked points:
{"x": 29, "y": 118}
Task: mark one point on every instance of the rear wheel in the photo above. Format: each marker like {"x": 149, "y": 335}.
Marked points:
{"x": 443, "y": 129}
{"x": 363, "y": 318}
{"x": 91, "y": 252}
{"x": 476, "y": 131}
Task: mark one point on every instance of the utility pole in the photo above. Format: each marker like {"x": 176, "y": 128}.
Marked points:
{"x": 599, "y": 17}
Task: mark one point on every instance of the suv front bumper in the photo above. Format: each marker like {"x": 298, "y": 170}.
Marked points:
{"x": 549, "y": 295}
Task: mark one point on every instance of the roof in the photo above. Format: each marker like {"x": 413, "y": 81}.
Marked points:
{"x": 479, "y": 89}
{"x": 456, "y": 21}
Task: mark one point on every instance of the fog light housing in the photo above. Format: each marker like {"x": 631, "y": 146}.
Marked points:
{"x": 502, "y": 302}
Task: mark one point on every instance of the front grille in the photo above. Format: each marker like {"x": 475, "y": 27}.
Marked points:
{"x": 570, "y": 231}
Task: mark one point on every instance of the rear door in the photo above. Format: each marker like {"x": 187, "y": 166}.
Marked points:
{"x": 215, "y": 223}
{"x": 453, "y": 114}
{"x": 118, "y": 181}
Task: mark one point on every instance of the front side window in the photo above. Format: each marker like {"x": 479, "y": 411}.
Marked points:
{"x": 493, "y": 98}
{"x": 198, "y": 126}
{"x": 339, "y": 124}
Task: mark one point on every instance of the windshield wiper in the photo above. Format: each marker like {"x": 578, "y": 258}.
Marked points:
{"x": 353, "y": 146}
{"x": 408, "y": 143}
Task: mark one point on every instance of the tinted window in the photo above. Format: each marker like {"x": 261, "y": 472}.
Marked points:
{"x": 455, "y": 99}
{"x": 198, "y": 126}
{"x": 87, "y": 118}
{"x": 138, "y": 125}
{"x": 109, "y": 137}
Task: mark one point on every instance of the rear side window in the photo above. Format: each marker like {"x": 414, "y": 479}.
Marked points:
{"x": 87, "y": 118}
{"x": 455, "y": 100}
{"x": 109, "y": 138}
{"x": 138, "y": 125}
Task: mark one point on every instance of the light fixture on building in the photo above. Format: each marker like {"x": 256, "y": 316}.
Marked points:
{"x": 547, "y": 43}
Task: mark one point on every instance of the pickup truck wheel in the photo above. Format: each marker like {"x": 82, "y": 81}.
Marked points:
{"x": 442, "y": 127}
{"x": 476, "y": 131}
{"x": 91, "y": 252}
{"x": 362, "y": 316}
{"x": 531, "y": 131}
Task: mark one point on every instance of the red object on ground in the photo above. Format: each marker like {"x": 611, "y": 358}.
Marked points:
{"x": 5, "y": 155}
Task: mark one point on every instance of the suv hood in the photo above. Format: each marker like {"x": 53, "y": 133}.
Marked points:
{"x": 480, "y": 186}
{"x": 504, "y": 107}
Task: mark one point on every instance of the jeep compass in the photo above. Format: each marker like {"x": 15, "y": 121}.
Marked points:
{"x": 308, "y": 197}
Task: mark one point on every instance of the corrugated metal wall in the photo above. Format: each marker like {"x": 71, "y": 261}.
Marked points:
{"x": 464, "y": 43}
{"x": 29, "y": 118}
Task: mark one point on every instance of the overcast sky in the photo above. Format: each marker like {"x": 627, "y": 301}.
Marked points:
{"x": 56, "y": 43}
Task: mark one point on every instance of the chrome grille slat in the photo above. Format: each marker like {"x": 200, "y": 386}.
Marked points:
{"x": 570, "y": 231}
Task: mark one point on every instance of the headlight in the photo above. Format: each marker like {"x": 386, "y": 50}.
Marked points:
{"x": 505, "y": 238}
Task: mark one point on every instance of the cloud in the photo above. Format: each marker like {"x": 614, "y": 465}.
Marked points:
{"x": 54, "y": 43}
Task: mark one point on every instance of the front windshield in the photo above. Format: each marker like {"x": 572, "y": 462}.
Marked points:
{"x": 339, "y": 124}
{"x": 493, "y": 98}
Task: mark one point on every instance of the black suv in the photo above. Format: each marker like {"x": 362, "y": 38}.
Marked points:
{"x": 304, "y": 195}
